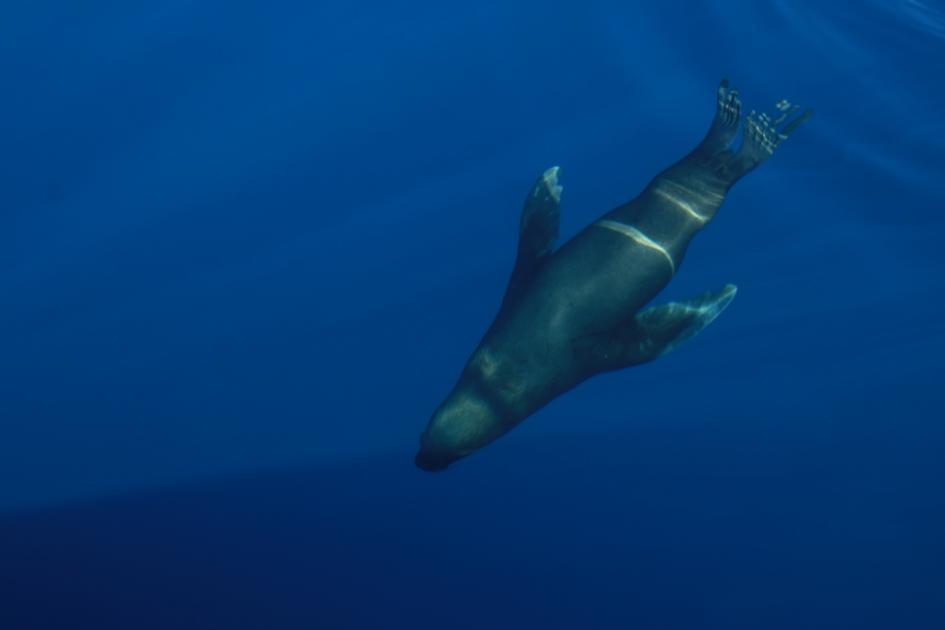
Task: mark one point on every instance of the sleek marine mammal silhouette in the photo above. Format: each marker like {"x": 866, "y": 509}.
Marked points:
{"x": 575, "y": 312}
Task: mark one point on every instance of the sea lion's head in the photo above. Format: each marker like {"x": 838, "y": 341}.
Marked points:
{"x": 464, "y": 423}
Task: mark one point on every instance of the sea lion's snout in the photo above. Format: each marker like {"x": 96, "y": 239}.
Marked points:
{"x": 436, "y": 453}
{"x": 431, "y": 461}
{"x": 463, "y": 424}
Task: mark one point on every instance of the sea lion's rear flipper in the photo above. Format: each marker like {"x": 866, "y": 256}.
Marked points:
{"x": 762, "y": 135}
{"x": 538, "y": 231}
{"x": 728, "y": 114}
{"x": 652, "y": 332}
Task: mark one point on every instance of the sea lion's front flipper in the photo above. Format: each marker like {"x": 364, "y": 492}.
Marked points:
{"x": 663, "y": 328}
{"x": 538, "y": 230}
{"x": 652, "y": 332}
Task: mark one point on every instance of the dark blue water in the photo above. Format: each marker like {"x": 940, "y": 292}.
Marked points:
{"x": 245, "y": 249}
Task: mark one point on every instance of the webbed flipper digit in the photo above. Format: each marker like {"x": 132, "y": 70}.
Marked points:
{"x": 763, "y": 133}
{"x": 724, "y": 127}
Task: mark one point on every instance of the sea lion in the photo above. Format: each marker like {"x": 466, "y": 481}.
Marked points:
{"x": 575, "y": 312}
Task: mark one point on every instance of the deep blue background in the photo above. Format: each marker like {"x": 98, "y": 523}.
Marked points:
{"x": 245, "y": 249}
